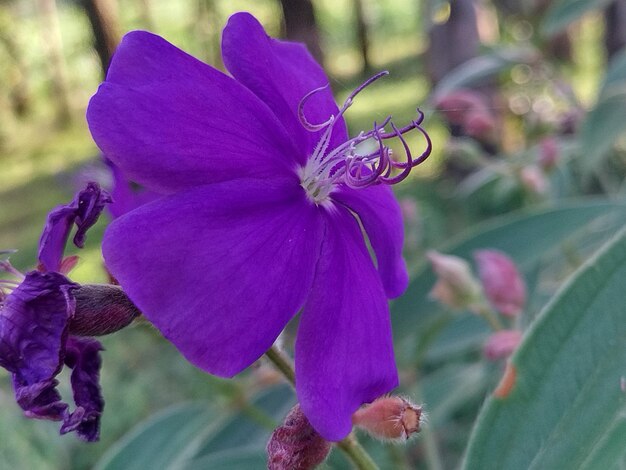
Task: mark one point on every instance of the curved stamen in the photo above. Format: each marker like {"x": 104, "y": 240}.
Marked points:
{"x": 303, "y": 120}
{"x": 343, "y": 164}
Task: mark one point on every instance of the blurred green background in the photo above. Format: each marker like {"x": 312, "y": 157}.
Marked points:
{"x": 540, "y": 68}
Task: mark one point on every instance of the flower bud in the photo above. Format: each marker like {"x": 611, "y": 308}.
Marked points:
{"x": 534, "y": 180}
{"x": 295, "y": 445}
{"x": 501, "y": 344}
{"x": 101, "y": 309}
{"x": 456, "y": 286}
{"x": 502, "y": 283}
{"x": 389, "y": 418}
{"x": 480, "y": 125}
{"x": 548, "y": 153}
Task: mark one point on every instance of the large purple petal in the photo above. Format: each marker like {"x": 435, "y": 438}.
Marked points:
{"x": 219, "y": 269}
{"x": 33, "y": 330}
{"x": 281, "y": 74}
{"x": 171, "y": 122}
{"x": 344, "y": 351}
{"x": 84, "y": 210}
{"x": 381, "y": 217}
{"x": 83, "y": 357}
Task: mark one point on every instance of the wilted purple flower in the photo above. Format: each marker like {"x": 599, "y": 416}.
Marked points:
{"x": 501, "y": 344}
{"x": 35, "y": 324}
{"x": 260, "y": 214}
{"x": 502, "y": 283}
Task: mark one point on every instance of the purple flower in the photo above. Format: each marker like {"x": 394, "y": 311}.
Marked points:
{"x": 35, "y": 324}
{"x": 260, "y": 214}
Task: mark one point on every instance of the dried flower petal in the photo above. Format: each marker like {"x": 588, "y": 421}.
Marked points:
{"x": 33, "y": 330}
{"x": 84, "y": 211}
{"x": 83, "y": 357}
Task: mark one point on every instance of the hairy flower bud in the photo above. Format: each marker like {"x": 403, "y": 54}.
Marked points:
{"x": 101, "y": 309}
{"x": 502, "y": 283}
{"x": 389, "y": 418}
{"x": 295, "y": 445}
{"x": 456, "y": 287}
{"x": 501, "y": 344}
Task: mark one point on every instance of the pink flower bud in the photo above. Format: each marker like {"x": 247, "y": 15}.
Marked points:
{"x": 534, "y": 180}
{"x": 295, "y": 445}
{"x": 502, "y": 283}
{"x": 548, "y": 153}
{"x": 389, "y": 418}
{"x": 458, "y": 104}
{"x": 470, "y": 110}
{"x": 480, "y": 125}
{"x": 501, "y": 344}
{"x": 456, "y": 286}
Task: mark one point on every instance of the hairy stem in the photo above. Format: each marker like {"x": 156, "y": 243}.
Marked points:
{"x": 350, "y": 445}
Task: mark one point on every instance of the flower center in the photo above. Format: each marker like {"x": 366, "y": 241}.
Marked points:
{"x": 326, "y": 168}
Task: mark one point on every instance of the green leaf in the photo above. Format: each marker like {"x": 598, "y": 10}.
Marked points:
{"x": 567, "y": 404}
{"x": 231, "y": 459}
{"x": 564, "y": 12}
{"x": 479, "y": 68}
{"x": 163, "y": 441}
{"x": 616, "y": 74}
{"x": 252, "y": 426}
{"x": 606, "y": 122}
{"x": 191, "y": 435}
{"x": 526, "y": 236}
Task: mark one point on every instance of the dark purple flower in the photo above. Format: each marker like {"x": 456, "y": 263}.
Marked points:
{"x": 83, "y": 211}
{"x": 35, "y": 327}
{"x": 260, "y": 214}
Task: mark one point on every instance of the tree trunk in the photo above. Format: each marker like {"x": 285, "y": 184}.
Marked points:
{"x": 103, "y": 18}
{"x": 145, "y": 13}
{"x": 20, "y": 97}
{"x": 205, "y": 30}
{"x": 51, "y": 36}
{"x": 301, "y": 26}
{"x": 362, "y": 34}
{"x": 615, "y": 31}
{"x": 453, "y": 42}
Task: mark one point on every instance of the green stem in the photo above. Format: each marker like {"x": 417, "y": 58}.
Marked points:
{"x": 490, "y": 316}
{"x": 282, "y": 363}
{"x": 353, "y": 449}
{"x": 350, "y": 445}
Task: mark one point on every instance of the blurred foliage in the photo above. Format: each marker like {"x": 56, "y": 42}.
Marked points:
{"x": 536, "y": 171}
